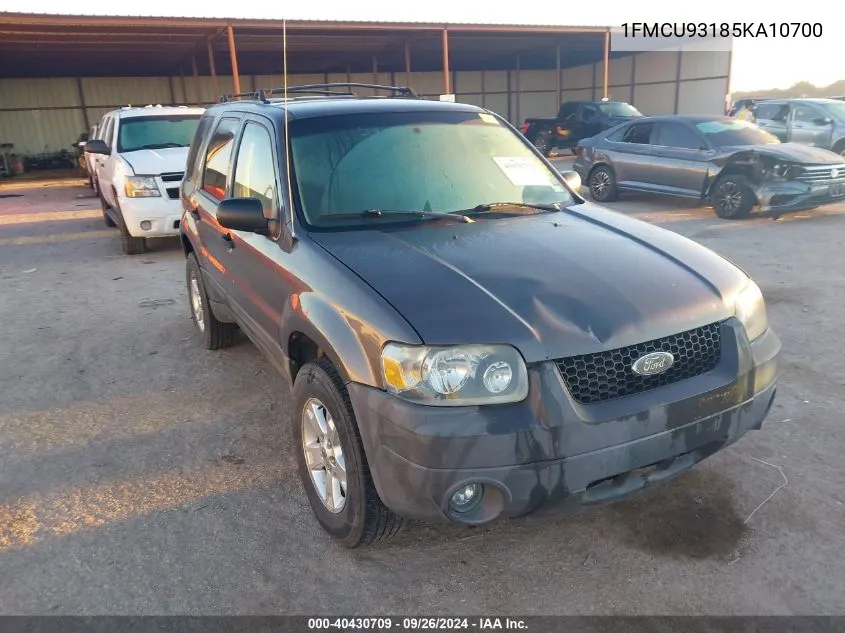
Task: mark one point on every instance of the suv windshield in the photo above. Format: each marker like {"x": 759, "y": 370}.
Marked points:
{"x": 156, "y": 132}
{"x": 403, "y": 163}
{"x": 735, "y": 132}
{"x": 617, "y": 108}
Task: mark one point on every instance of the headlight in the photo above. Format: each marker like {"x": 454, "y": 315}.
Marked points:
{"x": 141, "y": 187}
{"x": 461, "y": 375}
{"x": 751, "y": 310}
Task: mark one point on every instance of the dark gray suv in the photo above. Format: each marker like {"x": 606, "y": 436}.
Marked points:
{"x": 466, "y": 338}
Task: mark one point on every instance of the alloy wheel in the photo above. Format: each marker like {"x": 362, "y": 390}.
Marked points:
{"x": 196, "y": 303}
{"x": 324, "y": 455}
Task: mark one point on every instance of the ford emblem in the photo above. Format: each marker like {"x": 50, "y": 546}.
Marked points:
{"x": 653, "y": 364}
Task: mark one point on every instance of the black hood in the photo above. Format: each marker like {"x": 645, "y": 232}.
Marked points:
{"x": 553, "y": 285}
{"x": 792, "y": 152}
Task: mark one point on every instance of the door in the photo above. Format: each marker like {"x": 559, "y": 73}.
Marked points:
{"x": 257, "y": 261}
{"x": 215, "y": 186}
{"x": 587, "y": 122}
{"x": 773, "y": 117}
{"x": 680, "y": 160}
{"x": 809, "y": 125}
{"x": 632, "y": 156}
{"x": 567, "y": 125}
{"x": 100, "y": 161}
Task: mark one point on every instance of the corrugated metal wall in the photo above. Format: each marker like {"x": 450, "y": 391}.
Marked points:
{"x": 40, "y": 115}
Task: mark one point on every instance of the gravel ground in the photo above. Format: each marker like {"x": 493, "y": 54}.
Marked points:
{"x": 143, "y": 475}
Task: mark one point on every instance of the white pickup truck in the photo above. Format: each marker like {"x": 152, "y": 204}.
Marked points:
{"x": 139, "y": 161}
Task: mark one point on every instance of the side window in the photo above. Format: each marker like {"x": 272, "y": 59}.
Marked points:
{"x": 639, "y": 133}
{"x": 617, "y": 134}
{"x": 805, "y": 114}
{"x": 588, "y": 113}
{"x": 193, "y": 153}
{"x": 255, "y": 173}
{"x": 215, "y": 178}
{"x": 105, "y": 136}
{"x": 768, "y": 111}
{"x": 677, "y": 135}
{"x": 566, "y": 111}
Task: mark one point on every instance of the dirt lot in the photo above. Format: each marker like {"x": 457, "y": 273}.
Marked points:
{"x": 140, "y": 474}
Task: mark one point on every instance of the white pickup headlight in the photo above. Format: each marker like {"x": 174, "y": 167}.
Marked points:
{"x": 141, "y": 187}
{"x": 751, "y": 310}
{"x": 460, "y": 375}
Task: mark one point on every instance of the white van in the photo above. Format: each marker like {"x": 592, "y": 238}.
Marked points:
{"x": 139, "y": 160}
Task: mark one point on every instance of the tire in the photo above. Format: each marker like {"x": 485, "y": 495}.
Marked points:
{"x": 106, "y": 217}
{"x": 131, "y": 245}
{"x": 602, "y": 184}
{"x": 543, "y": 142}
{"x": 732, "y": 197}
{"x": 839, "y": 148}
{"x": 360, "y": 518}
{"x": 90, "y": 181}
{"x": 215, "y": 334}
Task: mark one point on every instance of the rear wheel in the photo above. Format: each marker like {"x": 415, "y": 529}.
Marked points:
{"x": 543, "y": 142}
{"x": 732, "y": 197}
{"x": 602, "y": 184}
{"x": 215, "y": 334}
{"x": 331, "y": 460}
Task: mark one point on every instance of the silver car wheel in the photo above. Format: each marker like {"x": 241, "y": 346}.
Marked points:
{"x": 600, "y": 184}
{"x": 196, "y": 302}
{"x": 729, "y": 198}
{"x": 324, "y": 455}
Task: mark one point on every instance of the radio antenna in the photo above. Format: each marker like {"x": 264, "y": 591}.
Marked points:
{"x": 288, "y": 219}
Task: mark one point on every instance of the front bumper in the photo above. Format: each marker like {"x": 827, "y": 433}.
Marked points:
{"x": 552, "y": 454}
{"x": 163, "y": 214}
{"x": 790, "y": 196}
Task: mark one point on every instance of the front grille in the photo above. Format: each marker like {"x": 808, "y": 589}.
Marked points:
{"x": 175, "y": 176}
{"x": 822, "y": 174}
{"x": 602, "y": 376}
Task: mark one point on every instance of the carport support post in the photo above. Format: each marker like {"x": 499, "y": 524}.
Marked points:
{"x": 213, "y": 70}
{"x": 559, "y": 78}
{"x": 375, "y": 69}
{"x": 184, "y": 100}
{"x": 606, "y": 63}
{"x": 518, "y": 91}
{"x": 196, "y": 80}
{"x": 233, "y": 55}
{"x": 408, "y": 63}
{"x": 83, "y": 107}
{"x": 446, "y": 73}
{"x": 678, "y": 80}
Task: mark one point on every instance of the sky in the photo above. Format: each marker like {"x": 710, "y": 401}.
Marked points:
{"x": 758, "y": 63}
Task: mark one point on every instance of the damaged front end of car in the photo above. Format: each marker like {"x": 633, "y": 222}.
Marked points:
{"x": 781, "y": 185}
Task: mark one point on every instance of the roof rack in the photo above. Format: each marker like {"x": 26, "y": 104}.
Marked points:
{"x": 318, "y": 89}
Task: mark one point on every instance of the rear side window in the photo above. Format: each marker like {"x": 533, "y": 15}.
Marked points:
{"x": 199, "y": 135}
{"x": 639, "y": 134}
{"x": 772, "y": 111}
{"x": 215, "y": 178}
{"x": 678, "y": 136}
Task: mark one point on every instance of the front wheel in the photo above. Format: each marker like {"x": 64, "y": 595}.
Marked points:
{"x": 331, "y": 460}
{"x": 732, "y": 197}
{"x": 602, "y": 184}
{"x": 215, "y": 334}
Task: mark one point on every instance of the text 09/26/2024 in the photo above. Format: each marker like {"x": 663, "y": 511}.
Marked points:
{"x": 722, "y": 29}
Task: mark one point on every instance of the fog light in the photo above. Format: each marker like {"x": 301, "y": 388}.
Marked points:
{"x": 146, "y": 225}
{"x": 466, "y": 498}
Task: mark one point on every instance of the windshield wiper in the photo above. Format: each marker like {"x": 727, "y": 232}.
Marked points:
{"x": 495, "y": 206}
{"x": 377, "y": 213}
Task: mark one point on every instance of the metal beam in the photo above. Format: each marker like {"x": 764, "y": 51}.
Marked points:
{"x": 518, "y": 91}
{"x": 233, "y": 55}
{"x": 606, "y": 64}
{"x": 196, "y": 80}
{"x": 407, "y": 62}
{"x": 82, "y": 103}
{"x": 559, "y": 77}
{"x": 446, "y": 85}
{"x": 678, "y": 80}
{"x": 184, "y": 89}
{"x": 172, "y": 91}
{"x": 213, "y": 69}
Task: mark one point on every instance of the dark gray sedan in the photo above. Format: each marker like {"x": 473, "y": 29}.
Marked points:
{"x": 733, "y": 165}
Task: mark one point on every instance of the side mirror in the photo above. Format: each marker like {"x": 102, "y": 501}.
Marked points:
{"x": 572, "y": 179}
{"x": 242, "y": 214}
{"x": 823, "y": 120}
{"x": 96, "y": 146}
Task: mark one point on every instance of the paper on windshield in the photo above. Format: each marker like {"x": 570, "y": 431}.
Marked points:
{"x": 522, "y": 171}
{"x": 487, "y": 118}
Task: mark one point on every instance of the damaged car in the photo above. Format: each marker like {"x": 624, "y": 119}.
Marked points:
{"x": 730, "y": 164}
{"x": 466, "y": 338}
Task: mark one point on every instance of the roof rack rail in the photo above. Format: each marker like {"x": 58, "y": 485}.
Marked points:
{"x": 319, "y": 89}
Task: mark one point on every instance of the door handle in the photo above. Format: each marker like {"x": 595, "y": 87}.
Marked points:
{"x": 195, "y": 213}
{"x": 226, "y": 237}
